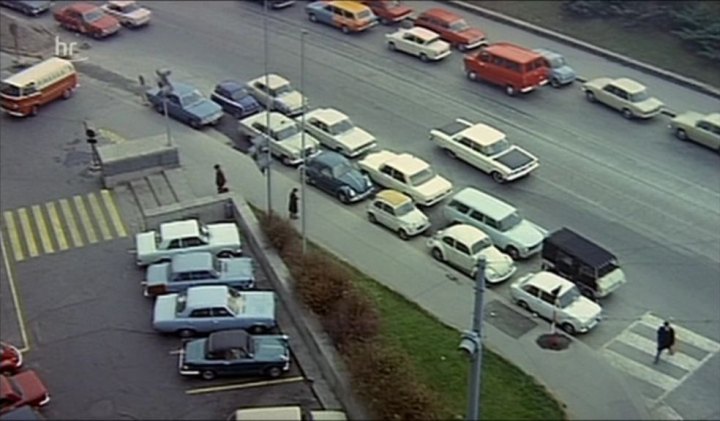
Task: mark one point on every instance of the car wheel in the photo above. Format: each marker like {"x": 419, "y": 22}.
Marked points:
{"x": 97, "y": 35}
{"x": 403, "y": 234}
{"x": 285, "y": 160}
{"x": 208, "y": 374}
{"x": 345, "y": 29}
{"x": 159, "y": 108}
{"x": 273, "y": 372}
{"x": 627, "y": 114}
{"x": 163, "y": 260}
{"x": 186, "y": 333}
{"x": 554, "y": 83}
{"x": 195, "y": 124}
{"x": 67, "y": 93}
{"x": 512, "y": 252}
{"x": 312, "y": 17}
{"x": 497, "y": 177}
{"x": 590, "y": 96}
{"x": 391, "y": 46}
{"x": 423, "y": 57}
{"x": 472, "y": 75}
{"x": 461, "y": 47}
{"x": 224, "y": 254}
{"x": 437, "y": 254}
{"x": 680, "y": 134}
{"x": 33, "y": 111}
{"x": 372, "y": 218}
{"x": 510, "y": 90}
{"x": 451, "y": 153}
{"x": 523, "y": 305}
{"x": 384, "y": 21}
{"x": 258, "y": 329}
{"x": 568, "y": 328}
{"x": 343, "y": 197}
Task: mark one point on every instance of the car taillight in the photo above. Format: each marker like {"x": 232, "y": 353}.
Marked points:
{"x": 156, "y": 290}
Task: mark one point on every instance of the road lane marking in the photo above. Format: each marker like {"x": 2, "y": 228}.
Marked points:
{"x": 42, "y": 229}
{"x": 56, "y": 226}
{"x": 114, "y": 214}
{"x": 14, "y": 238}
{"x": 685, "y": 335}
{"x": 99, "y": 216}
{"x": 644, "y": 344}
{"x": 224, "y": 388}
{"x": 15, "y": 297}
{"x": 70, "y": 220}
{"x": 27, "y": 232}
{"x": 85, "y": 219}
{"x": 641, "y": 371}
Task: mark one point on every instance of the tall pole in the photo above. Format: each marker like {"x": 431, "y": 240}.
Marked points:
{"x": 268, "y": 107}
{"x": 474, "y": 343}
{"x": 302, "y": 143}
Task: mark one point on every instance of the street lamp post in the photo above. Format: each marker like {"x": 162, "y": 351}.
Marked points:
{"x": 471, "y": 343}
{"x": 302, "y": 142}
{"x": 166, "y": 88}
{"x": 268, "y": 107}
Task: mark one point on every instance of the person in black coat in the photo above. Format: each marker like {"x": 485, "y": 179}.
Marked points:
{"x": 293, "y": 204}
{"x": 220, "y": 180}
{"x": 665, "y": 340}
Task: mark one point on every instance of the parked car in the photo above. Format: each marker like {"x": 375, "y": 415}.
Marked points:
{"x": 452, "y": 28}
{"x": 276, "y": 4}
{"x": 336, "y": 131}
{"x": 128, "y": 12}
{"x": 11, "y": 358}
{"x": 20, "y": 389}
{"x": 388, "y": 11}
{"x": 408, "y": 174}
{"x": 222, "y": 240}
{"x": 185, "y": 103}
{"x": 592, "y": 268}
{"x": 286, "y": 413}
{"x": 208, "y": 309}
{"x": 235, "y": 99}
{"x": 625, "y": 95}
{"x": 485, "y": 148}
{"x": 561, "y": 73}
{"x": 508, "y": 231}
{"x": 334, "y": 174}
{"x": 420, "y": 42}
{"x": 349, "y": 16}
{"x": 511, "y": 66}
{"x": 555, "y": 298}
{"x": 462, "y": 246}
{"x": 397, "y": 212}
{"x": 235, "y": 353}
{"x": 278, "y": 90}
{"x": 703, "y": 129}
{"x": 198, "y": 268}
{"x": 28, "y": 7}
{"x": 88, "y": 19}
{"x": 284, "y": 136}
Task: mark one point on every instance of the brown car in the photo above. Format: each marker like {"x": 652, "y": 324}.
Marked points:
{"x": 24, "y": 388}
{"x": 452, "y": 28}
{"x": 388, "y": 11}
{"x": 87, "y": 19}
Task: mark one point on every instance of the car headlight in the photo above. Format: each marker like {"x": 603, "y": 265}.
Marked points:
{"x": 351, "y": 192}
{"x": 185, "y": 367}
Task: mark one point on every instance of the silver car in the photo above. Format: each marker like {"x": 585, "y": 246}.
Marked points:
{"x": 397, "y": 212}
{"x": 561, "y": 73}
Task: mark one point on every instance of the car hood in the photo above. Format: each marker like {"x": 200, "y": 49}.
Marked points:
{"x": 688, "y": 117}
{"x": 295, "y": 142}
{"x": 164, "y": 310}
{"x": 204, "y": 108}
{"x": 564, "y": 72}
{"x": 496, "y": 261}
{"x": 292, "y": 99}
{"x": 259, "y": 304}
{"x": 356, "y": 181}
{"x": 526, "y": 234}
{"x": 145, "y": 243}
{"x": 33, "y": 389}
{"x": 105, "y": 22}
{"x": 472, "y": 34}
{"x": 436, "y": 185}
{"x": 157, "y": 274}
{"x": 194, "y": 351}
{"x": 224, "y": 234}
{"x": 238, "y": 268}
{"x": 514, "y": 158}
{"x": 356, "y": 138}
{"x": 583, "y": 309}
{"x": 650, "y": 104}
{"x": 271, "y": 347}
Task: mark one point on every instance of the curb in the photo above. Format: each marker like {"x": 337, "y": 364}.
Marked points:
{"x": 619, "y": 58}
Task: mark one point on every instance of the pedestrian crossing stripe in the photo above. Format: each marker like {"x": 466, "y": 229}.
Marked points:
{"x": 59, "y": 225}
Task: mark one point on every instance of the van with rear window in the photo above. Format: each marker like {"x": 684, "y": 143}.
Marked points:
{"x": 515, "y": 68}
{"x": 23, "y": 93}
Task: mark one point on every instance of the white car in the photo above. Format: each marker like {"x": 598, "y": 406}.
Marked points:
{"x": 278, "y": 90}
{"x": 407, "y": 174}
{"x": 629, "y": 97}
{"x": 128, "y": 12}
{"x": 420, "y": 42}
{"x": 285, "y": 413}
{"x": 701, "y": 128}
{"x": 222, "y": 240}
{"x": 397, "y": 212}
{"x": 284, "y": 135}
{"x": 337, "y": 132}
{"x": 462, "y": 246}
{"x": 573, "y": 312}
{"x": 485, "y": 148}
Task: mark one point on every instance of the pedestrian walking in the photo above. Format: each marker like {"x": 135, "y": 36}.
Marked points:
{"x": 665, "y": 340}
{"x": 220, "y": 180}
{"x": 293, "y": 204}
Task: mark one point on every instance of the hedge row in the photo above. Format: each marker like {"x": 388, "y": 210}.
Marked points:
{"x": 382, "y": 376}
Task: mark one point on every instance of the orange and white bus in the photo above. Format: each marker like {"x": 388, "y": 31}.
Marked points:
{"x": 23, "y": 93}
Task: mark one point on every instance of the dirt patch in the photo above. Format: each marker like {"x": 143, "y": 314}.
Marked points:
{"x": 34, "y": 39}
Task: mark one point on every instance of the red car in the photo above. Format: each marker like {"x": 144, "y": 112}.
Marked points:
{"x": 389, "y": 11}
{"x": 452, "y": 28}
{"x": 11, "y": 358}
{"x": 24, "y": 388}
{"x": 87, "y": 19}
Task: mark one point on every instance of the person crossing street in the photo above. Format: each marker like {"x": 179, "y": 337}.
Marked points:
{"x": 665, "y": 340}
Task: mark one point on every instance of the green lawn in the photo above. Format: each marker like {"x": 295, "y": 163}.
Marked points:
{"x": 654, "y": 47}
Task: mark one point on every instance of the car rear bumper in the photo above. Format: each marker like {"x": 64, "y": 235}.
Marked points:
{"x": 523, "y": 172}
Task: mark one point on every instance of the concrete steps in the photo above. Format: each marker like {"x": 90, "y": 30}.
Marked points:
{"x": 155, "y": 190}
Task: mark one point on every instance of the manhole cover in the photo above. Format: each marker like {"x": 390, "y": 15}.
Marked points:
{"x": 553, "y": 341}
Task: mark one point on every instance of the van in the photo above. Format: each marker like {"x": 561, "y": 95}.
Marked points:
{"x": 592, "y": 268}
{"x": 508, "y": 231}
{"x": 515, "y": 68}
{"x": 23, "y": 93}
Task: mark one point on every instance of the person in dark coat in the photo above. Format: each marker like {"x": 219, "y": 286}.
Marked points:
{"x": 665, "y": 340}
{"x": 220, "y": 180}
{"x": 293, "y": 204}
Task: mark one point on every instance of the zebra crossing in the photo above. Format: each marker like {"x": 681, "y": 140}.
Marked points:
{"x": 62, "y": 224}
{"x": 633, "y": 352}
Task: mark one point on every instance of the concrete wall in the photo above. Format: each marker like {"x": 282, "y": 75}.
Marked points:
{"x": 136, "y": 159}
{"x": 206, "y": 209}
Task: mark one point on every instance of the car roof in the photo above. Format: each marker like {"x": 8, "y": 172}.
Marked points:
{"x": 576, "y": 245}
{"x": 629, "y": 85}
{"x": 82, "y": 7}
{"x": 351, "y": 6}
{"x": 408, "y": 164}
{"x": 207, "y": 296}
{"x": 329, "y": 115}
{"x": 178, "y": 229}
{"x": 277, "y": 413}
{"x": 465, "y": 233}
{"x": 231, "y": 85}
{"x": 483, "y": 134}
{"x": 329, "y": 158}
{"x": 274, "y": 80}
{"x": 487, "y": 204}
{"x": 512, "y": 52}
{"x": 441, "y": 14}
{"x": 547, "y": 282}
{"x": 393, "y": 197}
{"x": 422, "y": 33}
{"x": 31, "y": 74}
{"x": 713, "y": 118}
{"x": 227, "y": 339}
{"x": 122, "y": 3}
{"x": 195, "y": 261}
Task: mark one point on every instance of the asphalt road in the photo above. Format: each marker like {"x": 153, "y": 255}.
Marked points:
{"x": 631, "y": 186}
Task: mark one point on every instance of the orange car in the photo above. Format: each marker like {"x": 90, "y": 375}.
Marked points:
{"x": 452, "y": 28}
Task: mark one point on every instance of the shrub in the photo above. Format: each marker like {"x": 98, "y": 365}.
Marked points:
{"x": 320, "y": 282}
{"x": 353, "y": 319}
{"x": 279, "y": 232}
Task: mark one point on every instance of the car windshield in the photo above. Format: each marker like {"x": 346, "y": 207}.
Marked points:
{"x": 364, "y": 14}
{"x": 285, "y": 133}
{"x": 342, "y": 126}
{"x": 341, "y": 169}
{"x": 557, "y": 62}
{"x": 481, "y": 245}
{"x": 191, "y": 98}
{"x": 404, "y": 209}
{"x": 181, "y": 303}
{"x": 432, "y": 40}
{"x": 281, "y": 90}
{"x": 569, "y": 297}
{"x": 9, "y": 90}
{"x": 422, "y": 177}
{"x": 500, "y": 146}
{"x": 93, "y": 16}
{"x": 639, "y": 96}
{"x": 236, "y": 301}
{"x": 238, "y": 94}
{"x": 510, "y": 221}
{"x": 459, "y": 25}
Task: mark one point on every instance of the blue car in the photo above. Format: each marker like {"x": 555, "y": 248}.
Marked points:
{"x": 234, "y": 98}
{"x": 185, "y": 103}
{"x": 28, "y": 7}
{"x": 560, "y": 73}
{"x": 333, "y": 173}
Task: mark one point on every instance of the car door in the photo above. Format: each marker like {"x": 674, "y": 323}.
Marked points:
{"x": 388, "y": 216}
{"x": 490, "y": 226}
{"x": 239, "y": 362}
{"x": 223, "y": 98}
{"x": 707, "y": 134}
{"x": 385, "y": 177}
{"x": 463, "y": 257}
{"x": 325, "y": 179}
{"x": 200, "y": 320}
{"x": 174, "y": 106}
{"x": 260, "y": 92}
{"x": 75, "y": 20}
{"x": 408, "y": 43}
{"x": 322, "y": 132}
{"x": 546, "y": 305}
{"x": 531, "y": 296}
{"x": 224, "y": 319}
{"x": 195, "y": 244}
{"x": 180, "y": 281}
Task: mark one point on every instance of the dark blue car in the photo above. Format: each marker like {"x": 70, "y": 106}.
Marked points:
{"x": 235, "y": 99}
{"x": 28, "y": 7}
{"x": 185, "y": 103}
{"x": 333, "y": 173}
